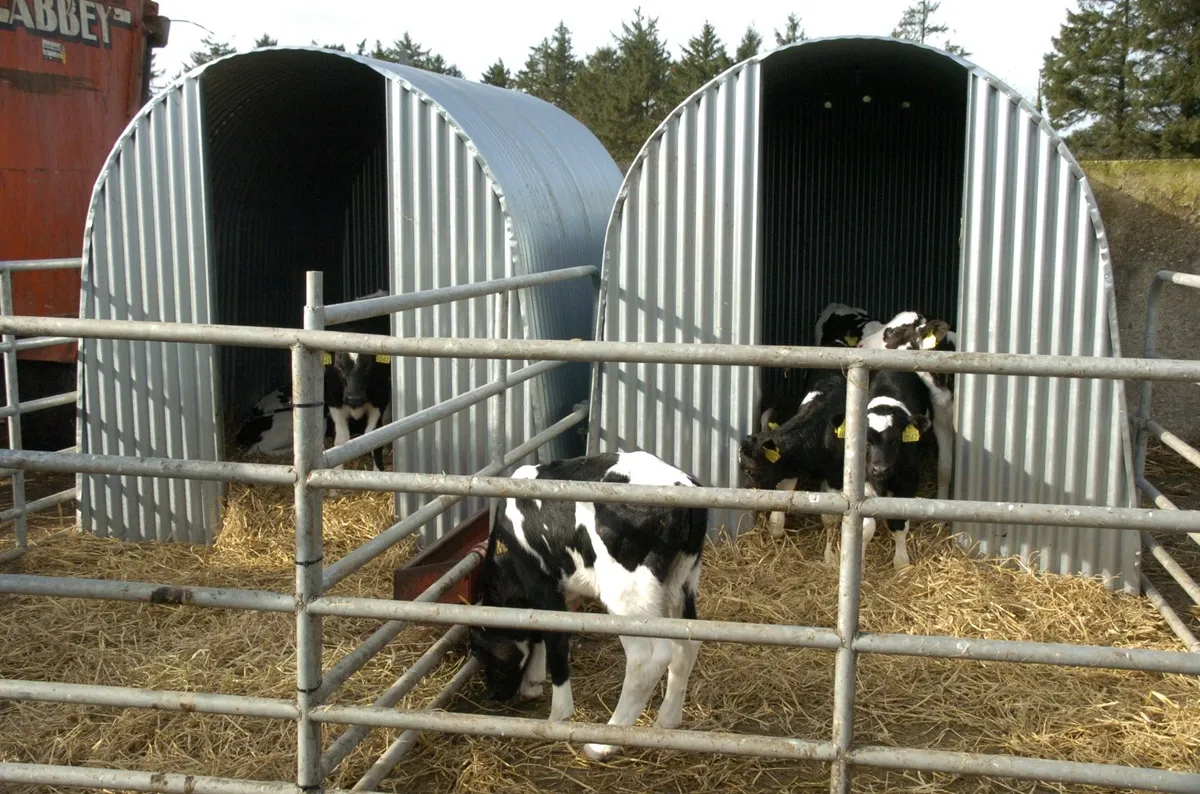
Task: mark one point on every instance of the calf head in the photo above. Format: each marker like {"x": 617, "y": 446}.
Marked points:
{"x": 844, "y": 330}
{"x": 911, "y": 331}
{"x": 758, "y": 458}
{"x": 354, "y": 373}
{"x": 889, "y": 428}
{"x": 503, "y": 653}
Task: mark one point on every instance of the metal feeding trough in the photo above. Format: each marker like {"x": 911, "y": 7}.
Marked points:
{"x": 431, "y": 564}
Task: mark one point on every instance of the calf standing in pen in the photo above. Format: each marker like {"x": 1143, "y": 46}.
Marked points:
{"x": 359, "y": 385}
{"x": 838, "y": 325}
{"x": 897, "y": 416}
{"x": 804, "y": 448}
{"x": 910, "y": 330}
{"x": 636, "y": 560}
{"x": 843, "y": 326}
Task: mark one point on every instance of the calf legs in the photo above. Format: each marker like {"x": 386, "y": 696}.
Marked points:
{"x": 683, "y": 659}
{"x": 943, "y": 431}
{"x": 558, "y": 659}
{"x": 646, "y": 659}
{"x": 779, "y": 517}
{"x": 900, "y": 535}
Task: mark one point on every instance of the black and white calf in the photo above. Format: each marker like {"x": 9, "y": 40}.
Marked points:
{"x": 838, "y": 325}
{"x": 804, "y": 449}
{"x": 268, "y": 428}
{"x": 897, "y": 416}
{"x": 843, "y": 326}
{"x": 636, "y": 560}
{"x": 359, "y": 385}
{"x": 911, "y": 330}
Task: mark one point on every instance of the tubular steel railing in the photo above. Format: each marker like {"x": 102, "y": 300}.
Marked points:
{"x": 1143, "y": 428}
{"x": 13, "y": 408}
{"x": 312, "y": 473}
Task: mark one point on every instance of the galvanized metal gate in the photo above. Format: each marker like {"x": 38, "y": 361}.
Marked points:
{"x": 311, "y": 473}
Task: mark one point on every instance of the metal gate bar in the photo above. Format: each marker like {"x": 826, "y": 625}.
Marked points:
{"x": 13, "y": 408}
{"x": 1143, "y": 428}
{"x": 308, "y": 477}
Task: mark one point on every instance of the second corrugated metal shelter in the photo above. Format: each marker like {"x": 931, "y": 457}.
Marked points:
{"x": 887, "y": 175}
{"x": 251, "y": 170}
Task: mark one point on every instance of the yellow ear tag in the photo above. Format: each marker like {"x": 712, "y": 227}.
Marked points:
{"x": 851, "y": 341}
{"x": 772, "y": 455}
{"x": 929, "y": 341}
{"x": 326, "y": 359}
{"x": 772, "y": 426}
{"x": 383, "y": 359}
{"x": 841, "y": 430}
{"x": 911, "y": 434}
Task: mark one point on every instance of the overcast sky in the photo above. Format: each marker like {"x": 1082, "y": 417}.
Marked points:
{"x": 1008, "y": 39}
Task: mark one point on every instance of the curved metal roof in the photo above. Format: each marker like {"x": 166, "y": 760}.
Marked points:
{"x": 760, "y": 199}
{"x": 260, "y": 165}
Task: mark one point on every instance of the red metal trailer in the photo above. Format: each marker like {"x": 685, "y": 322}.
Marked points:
{"x": 72, "y": 75}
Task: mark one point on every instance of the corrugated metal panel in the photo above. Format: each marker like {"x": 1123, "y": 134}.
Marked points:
{"x": 284, "y": 203}
{"x": 528, "y": 191}
{"x": 401, "y": 179}
{"x": 862, "y": 183}
{"x": 682, "y": 265}
{"x": 149, "y": 260}
{"x": 1037, "y": 279}
{"x": 873, "y": 217}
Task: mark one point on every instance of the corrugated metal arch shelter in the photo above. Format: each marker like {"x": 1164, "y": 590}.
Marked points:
{"x": 247, "y": 172}
{"x": 888, "y": 175}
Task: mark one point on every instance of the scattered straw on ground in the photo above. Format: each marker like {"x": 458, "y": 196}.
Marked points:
{"x": 1081, "y": 715}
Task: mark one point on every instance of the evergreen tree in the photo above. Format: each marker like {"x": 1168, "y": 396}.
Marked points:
{"x": 704, "y": 58}
{"x": 265, "y": 40}
{"x": 551, "y": 69}
{"x": 407, "y": 50}
{"x": 917, "y": 25}
{"x": 792, "y": 32}
{"x": 337, "y": 47}
{"x": 1169, "y": 73}
{"x": 497, "y": 74}
{"x": 1091, "y": 80}
{"x": 213, "y": 49}
{"x": 643, "y": 74}
{"x": 593, "y": 96}
{"x": 157, "y": 83}
{"x": 749, "y": 46}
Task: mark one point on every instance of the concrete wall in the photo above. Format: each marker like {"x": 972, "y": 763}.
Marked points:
{"x": 1151, "y": 210}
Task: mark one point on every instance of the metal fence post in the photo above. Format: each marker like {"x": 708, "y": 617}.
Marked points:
{"x": 308, "y": 428}
{"x": 499, "y": 373}
{"x": 1142, "y": 417}
{"x": 12, "y": 400}
{"x": 849, "y": 575}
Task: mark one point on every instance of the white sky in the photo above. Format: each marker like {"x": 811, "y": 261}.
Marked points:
{"x": 1009, "y": 43}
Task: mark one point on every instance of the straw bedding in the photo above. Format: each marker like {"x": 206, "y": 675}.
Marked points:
{"x": 1082, "y": 715}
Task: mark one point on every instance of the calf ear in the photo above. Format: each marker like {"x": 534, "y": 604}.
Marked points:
{"x": 837, "y": 423}
{"x": 921, "y": 422}
{"x": 933, "y": 333}
{"x": 770, "y": 451}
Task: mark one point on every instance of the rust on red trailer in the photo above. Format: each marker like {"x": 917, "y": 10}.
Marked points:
{"x": 72, "y": 75}
{"x": 415, "y": 576}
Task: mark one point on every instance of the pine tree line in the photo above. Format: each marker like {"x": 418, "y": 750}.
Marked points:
{"x": 623, "y": 89}
{"x": 1124, "y": 78}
